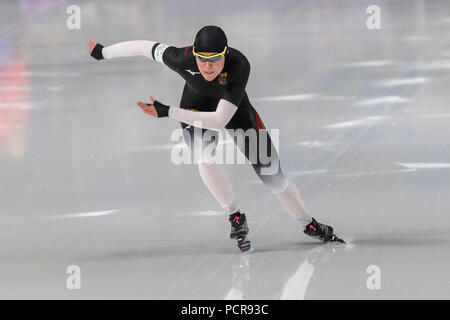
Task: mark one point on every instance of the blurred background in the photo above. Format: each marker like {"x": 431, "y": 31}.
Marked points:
{"x": 87, "y": 179}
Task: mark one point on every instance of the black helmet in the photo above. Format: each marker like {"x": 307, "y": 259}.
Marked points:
{"x": 210, "y": 39}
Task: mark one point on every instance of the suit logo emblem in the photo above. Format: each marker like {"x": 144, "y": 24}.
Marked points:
{"x": 223, "y": 78}
{"x": 192, "y": 72}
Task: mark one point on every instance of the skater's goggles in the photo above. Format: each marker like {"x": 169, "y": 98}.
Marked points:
{"x": 213, "y": 58}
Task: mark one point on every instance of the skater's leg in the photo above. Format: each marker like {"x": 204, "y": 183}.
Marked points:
{"x": 212, "y": 175}
{"x": 269, "y": 172}
{"x": 219, "y": 185}
{"x": 282, "y": 187}
{"x": 200, "y": 143}
{"x": 292, "y": 202}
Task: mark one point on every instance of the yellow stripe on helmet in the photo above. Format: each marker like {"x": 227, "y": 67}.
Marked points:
{"x": 207, "y": 57}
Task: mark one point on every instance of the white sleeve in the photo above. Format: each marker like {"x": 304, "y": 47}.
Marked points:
{"x": 129, "y": 49}
{"x": 209, "y": 120}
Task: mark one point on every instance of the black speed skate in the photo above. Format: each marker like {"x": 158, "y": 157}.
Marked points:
{"x": 321, "y": 232}
{"x": 239, "y": 230}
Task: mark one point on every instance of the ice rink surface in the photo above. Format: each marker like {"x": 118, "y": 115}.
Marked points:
{"x": 86, "y": 178}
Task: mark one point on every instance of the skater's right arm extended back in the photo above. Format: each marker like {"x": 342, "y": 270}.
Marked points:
{"x": 132, "y": 48}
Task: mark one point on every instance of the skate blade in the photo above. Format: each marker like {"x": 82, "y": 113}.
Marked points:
{"x": 335, "y": 238}
{"x": 243, "y": 244}
{"x": 245, "y": 247}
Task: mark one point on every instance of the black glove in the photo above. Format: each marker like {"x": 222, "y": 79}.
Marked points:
{"x": 97, "y": 52}
{"x": 161, "y": 109}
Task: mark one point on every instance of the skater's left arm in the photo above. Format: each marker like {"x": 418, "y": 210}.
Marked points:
{"x": 209, "y": 120}
{"x": 215, "y": 120}
{"x": 225, "y": 110}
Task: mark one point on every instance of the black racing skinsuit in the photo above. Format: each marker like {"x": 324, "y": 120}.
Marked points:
{"x": 202, "y": 95}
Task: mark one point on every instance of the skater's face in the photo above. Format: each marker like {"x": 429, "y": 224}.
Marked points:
{"x": 210, "y": 69}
